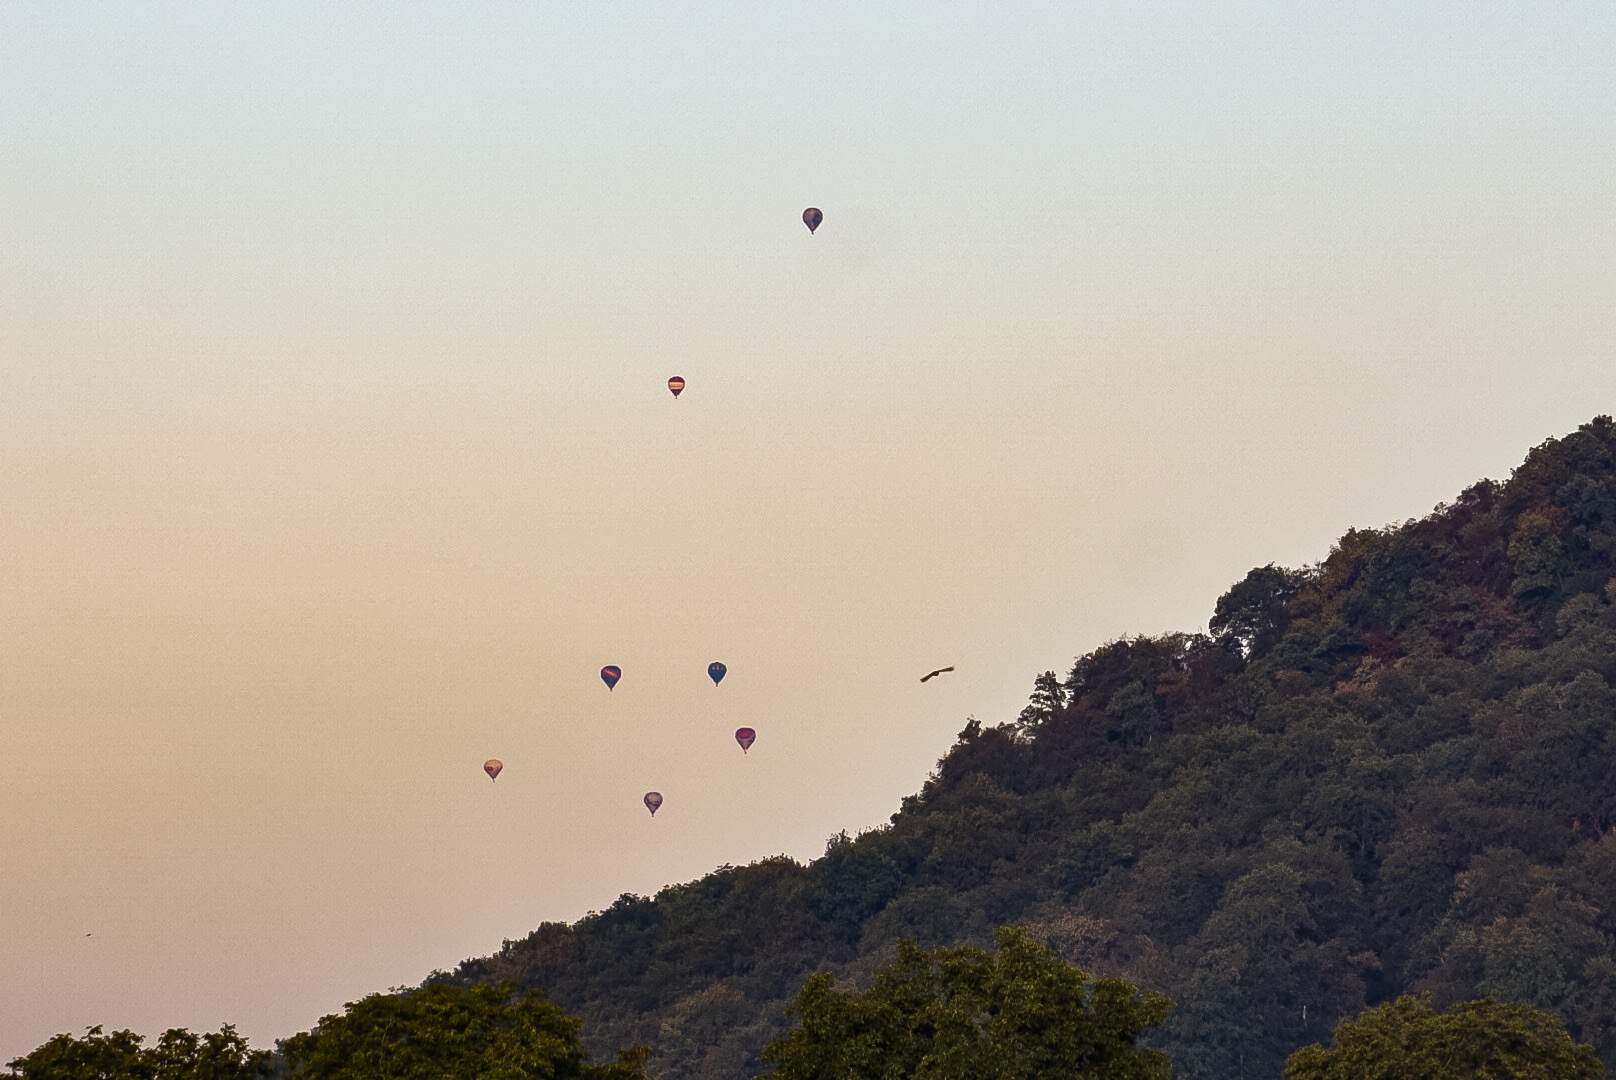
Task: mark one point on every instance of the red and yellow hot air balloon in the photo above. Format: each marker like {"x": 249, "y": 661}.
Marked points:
{"x": 675, "y": 385}
{"x": 746, "y": 737}
{"x": 811, "y": 217}
{"x": 492, "y": 767}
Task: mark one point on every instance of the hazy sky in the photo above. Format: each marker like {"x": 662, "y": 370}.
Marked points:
{"x": 336, "y": 455}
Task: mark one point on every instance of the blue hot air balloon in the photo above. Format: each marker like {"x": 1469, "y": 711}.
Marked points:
{"x": 716, "y": 672}
{"x": 610, "y": 674}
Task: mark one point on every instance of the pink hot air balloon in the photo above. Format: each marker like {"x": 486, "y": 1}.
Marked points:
{"x": 811, "y": 217}
{"x": 653, "y": 801}
{"x": 492, "y": 767}
{"x": 746, "y": 737}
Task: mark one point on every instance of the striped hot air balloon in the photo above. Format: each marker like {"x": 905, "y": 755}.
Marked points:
{"x": 676, "y": 385}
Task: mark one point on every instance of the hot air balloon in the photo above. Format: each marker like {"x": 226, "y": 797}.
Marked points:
{"x": 610, "y": 674}
{"x": 653, "y": 801}
{"x": 492, "y": 767}
{"x": 811, "y": 217}
{"x": 746, "y": 737}
{"x": 675, "y": 385}
{"x": 716, "y": 672}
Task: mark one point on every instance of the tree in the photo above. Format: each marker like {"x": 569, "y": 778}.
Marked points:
{"x": 446, "y": 1032}
{"x": 1406, "y": 1039}
{"x": 964, "y": 1014}
{"x": 1048, "y": 699}
{"x": 853, "y": 881}
{"x": 1253, "y": 613}
{"x": 178, "y": 1055}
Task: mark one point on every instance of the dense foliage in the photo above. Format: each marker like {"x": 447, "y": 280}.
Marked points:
{"x": 964, "y": 1014}
{"x": 1408, "y": 1040}
{"x": 445, "y": 1032}
{"x": 1384, "y": 773}
{"x": 177, "y": 1055}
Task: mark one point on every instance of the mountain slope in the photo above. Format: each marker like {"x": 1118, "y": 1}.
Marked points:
{"x": 1388, "y": 771}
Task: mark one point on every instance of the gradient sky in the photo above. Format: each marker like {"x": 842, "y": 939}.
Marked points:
{"x": 335, "y": 453}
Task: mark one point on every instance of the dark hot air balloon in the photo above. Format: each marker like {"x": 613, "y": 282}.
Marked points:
{"x": 492, "y": 767}
{"x": 811, "y": 217}
{"x": 746, "y": 737}
{"x": 653, "y": 801}
{"x": 610, "y": 674}
{"x": 716, "y": 672}
{"x": 675, "y": 385}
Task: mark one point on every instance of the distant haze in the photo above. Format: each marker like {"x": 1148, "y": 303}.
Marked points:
{"x": 337, "y": 454}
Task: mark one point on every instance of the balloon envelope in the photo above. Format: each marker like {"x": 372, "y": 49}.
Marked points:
{"x": 716, "y": 672}
{"x": 492, "y": 767}
{"x": 610, "y": 674}
{"x": 675, "y": 385}
{"x": 746, "y": 737}
{"x": 811, "y": 217}
{"x": 653, "y": 801}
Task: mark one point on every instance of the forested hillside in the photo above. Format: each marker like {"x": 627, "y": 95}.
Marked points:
{"x": 1386, "y": 772}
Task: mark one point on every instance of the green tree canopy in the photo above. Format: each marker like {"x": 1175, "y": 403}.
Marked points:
{"x": 964, "y": 1014}
{"x": 444, "y": 1032}
{"x": 1406, "y": 1039}
{"x": 177, "y": 1055}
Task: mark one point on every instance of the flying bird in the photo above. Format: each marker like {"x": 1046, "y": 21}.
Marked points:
{"x": 936, "y": 673}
